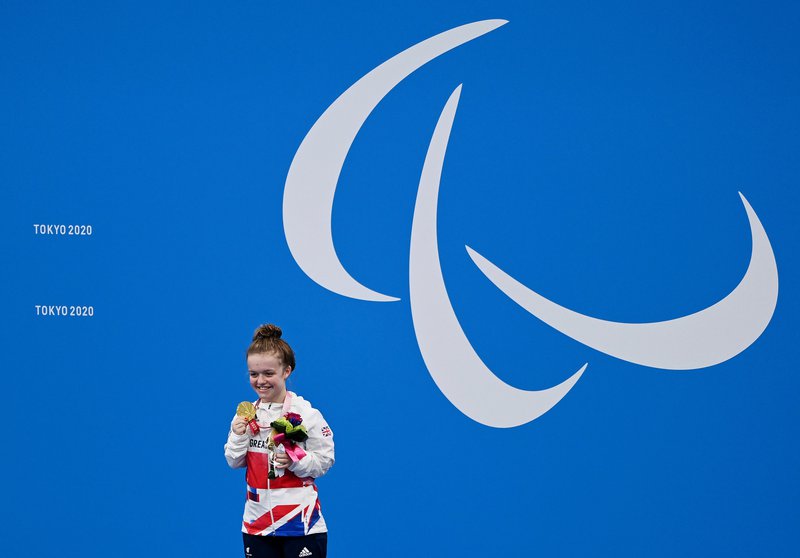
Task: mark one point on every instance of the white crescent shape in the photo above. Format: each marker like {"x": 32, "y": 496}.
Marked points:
{"x": 699, "y": 340}
{"x": 454, "y": 365}
{"x": 314, "y": 172}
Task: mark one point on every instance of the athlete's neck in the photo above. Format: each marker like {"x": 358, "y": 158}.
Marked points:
{"x": 277, "y": 398}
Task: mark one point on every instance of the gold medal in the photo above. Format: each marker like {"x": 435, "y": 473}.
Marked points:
{"x": 246, "y": 410}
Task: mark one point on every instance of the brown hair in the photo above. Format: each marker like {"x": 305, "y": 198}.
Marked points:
{"x": 267, "y": 339}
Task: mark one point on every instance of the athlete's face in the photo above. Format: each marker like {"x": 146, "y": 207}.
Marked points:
{"x": 268, "y": 376}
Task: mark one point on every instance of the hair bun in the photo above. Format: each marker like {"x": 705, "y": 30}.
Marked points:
{"x": 267, "y": 331}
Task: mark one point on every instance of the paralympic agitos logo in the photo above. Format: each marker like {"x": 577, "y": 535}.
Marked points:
{"x": 699, "y": 340}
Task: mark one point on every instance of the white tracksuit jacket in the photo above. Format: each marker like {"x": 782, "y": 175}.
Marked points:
{"x": 287, "y": 505}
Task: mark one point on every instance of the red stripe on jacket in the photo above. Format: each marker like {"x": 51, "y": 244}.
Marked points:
{"x": 258, "y": 469}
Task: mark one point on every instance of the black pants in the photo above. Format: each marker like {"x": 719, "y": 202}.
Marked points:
{"x": 310, "y": 546}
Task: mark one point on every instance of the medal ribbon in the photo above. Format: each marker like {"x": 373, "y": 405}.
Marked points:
{"x": 254, "y": 427}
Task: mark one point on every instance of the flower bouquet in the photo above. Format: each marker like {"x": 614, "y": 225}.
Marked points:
{"x": 287, "y": 432}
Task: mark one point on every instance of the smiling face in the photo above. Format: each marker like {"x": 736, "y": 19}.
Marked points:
{"x": 268, "y": 376}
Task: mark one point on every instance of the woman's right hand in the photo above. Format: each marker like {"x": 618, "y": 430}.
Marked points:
{"x": 239, "y": 425}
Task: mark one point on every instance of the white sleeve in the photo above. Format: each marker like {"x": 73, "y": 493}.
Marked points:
{"x": 236, "y": 448}
{"x": 319, "y": 448}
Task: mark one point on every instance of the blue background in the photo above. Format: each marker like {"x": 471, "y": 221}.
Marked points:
{"x": 596, "y": 156}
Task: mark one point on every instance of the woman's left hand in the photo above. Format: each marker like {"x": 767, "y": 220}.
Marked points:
{"x": 282, "y": 460}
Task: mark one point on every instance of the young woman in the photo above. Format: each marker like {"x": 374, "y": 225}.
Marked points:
{"x": 282, "y": 516}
